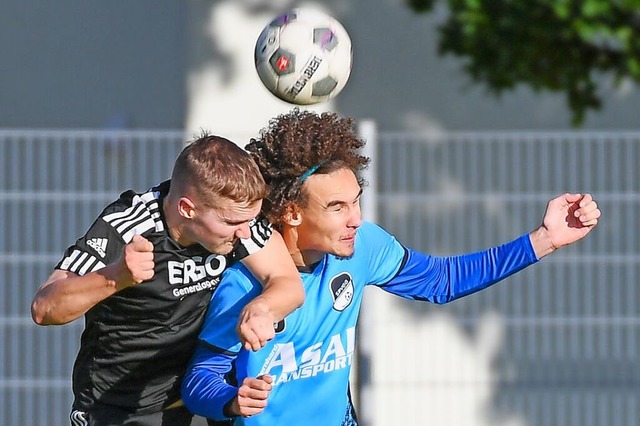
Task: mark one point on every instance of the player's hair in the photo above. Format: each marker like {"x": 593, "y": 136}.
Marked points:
{"x": 214, "y": 167}
{"x": 298, "y": 144}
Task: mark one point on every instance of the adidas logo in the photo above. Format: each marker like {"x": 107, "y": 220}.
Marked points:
{"x": 99, "y": 245}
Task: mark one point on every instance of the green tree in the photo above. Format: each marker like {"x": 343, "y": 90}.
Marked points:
{"x": 563, "y": 46}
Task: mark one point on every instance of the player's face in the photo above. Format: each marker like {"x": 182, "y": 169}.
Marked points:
{"x": 219, "y": 229}
{"x": 330, "y": 220}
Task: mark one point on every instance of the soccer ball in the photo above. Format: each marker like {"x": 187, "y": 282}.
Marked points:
{"x": 304, "y": 56}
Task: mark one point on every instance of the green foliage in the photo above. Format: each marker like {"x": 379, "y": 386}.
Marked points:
{"x": 556, "y": 45}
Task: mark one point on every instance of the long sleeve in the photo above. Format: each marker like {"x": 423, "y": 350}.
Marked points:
{"x": 204, "y": 390}
{"x": 443, "y": 279}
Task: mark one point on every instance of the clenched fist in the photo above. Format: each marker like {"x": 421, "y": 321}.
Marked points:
{"x": 568, "y": 218}
{"x": 136, "y": 263}
{"x": 252, "y": 396}
{"x": 255, "y": 325}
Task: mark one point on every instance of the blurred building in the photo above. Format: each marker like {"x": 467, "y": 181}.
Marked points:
{"x": 173, "y": 65}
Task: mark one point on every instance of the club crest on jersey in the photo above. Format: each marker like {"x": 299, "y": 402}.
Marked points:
{"x": 342, "y": 291}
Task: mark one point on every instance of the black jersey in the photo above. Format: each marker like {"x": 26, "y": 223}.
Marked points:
{"x": 136, "y": 343}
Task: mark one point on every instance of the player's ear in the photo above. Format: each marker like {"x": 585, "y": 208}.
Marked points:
{"x": 186, "y": 208}
{"x": 292, "y": 216}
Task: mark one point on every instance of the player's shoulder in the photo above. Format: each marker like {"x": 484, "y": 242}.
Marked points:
{"x": 123, "y": 202}
{"x": 261, "y": 230}
{"x": 131, "y": 198}
{"x": 372, "y": 240}
{"x": 370, "y": 232}
{"x": 237, "y": 283}
{"x": 136, "y": 213}
{"x": 239, "y": 275}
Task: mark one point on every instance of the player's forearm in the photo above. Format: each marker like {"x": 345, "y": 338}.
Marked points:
{"x": 476, "y": 271}
{"x": 274, "y": 268}
{"x": 444, "y": 279}
{"x": 282, "y": 295}
{"x": 66, "y": 299}
{"x": 204, "y": 390}
{"x": 208, "y": 398}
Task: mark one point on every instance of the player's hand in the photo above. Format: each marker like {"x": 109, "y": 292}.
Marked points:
{"x": 252, "y": 396}
{"x": 256, "y": 324}
{"x": 569, "y": 218}
{"x": 136, "y": 262}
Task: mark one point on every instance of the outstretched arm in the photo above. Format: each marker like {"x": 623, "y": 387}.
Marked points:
{"x": 568, "y": 218}
{"x": 283, "y": 293}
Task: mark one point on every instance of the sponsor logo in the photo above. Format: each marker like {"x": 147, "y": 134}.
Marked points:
{"x": 99, "y": 245}
{"x": 204, "y": 285}
{"x": 196, "y": 274}
{"x": 195, "y": 269}
{"x": 284, "y": 364}
{"x": 342, "y": 291}
{"x": 309, "y": 71}
{"x": 79, "y": 418}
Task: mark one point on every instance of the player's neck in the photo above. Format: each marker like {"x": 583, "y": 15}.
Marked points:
{"x": 301, "y": 257}
{"x": 173, "y": 222}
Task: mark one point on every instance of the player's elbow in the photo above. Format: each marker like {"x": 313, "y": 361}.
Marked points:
{"x": 204, "y": 390}
{"x": 190, "y": 394}
{"x": 41, "y": 313}
{"x": 38, "y": 312}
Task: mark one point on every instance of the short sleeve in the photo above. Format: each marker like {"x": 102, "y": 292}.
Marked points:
{"x": 380, "y": 254}
{"x": 100, "y": 246}
{"x": 261, "y": 231}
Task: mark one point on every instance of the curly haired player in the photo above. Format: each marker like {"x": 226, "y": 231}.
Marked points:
{"x": 301, "y": 377}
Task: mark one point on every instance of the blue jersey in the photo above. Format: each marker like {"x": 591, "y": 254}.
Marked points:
{"x": 311, "y": 356}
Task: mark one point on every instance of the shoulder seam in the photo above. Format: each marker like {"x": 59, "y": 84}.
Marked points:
{"x": 141, "y": 216}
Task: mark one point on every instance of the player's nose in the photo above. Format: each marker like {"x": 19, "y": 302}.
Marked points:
{"x": 243, "y": 231}
{"x": 355, "y": 218}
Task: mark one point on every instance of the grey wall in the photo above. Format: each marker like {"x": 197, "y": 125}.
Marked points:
{"x": 92, "y": 64}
